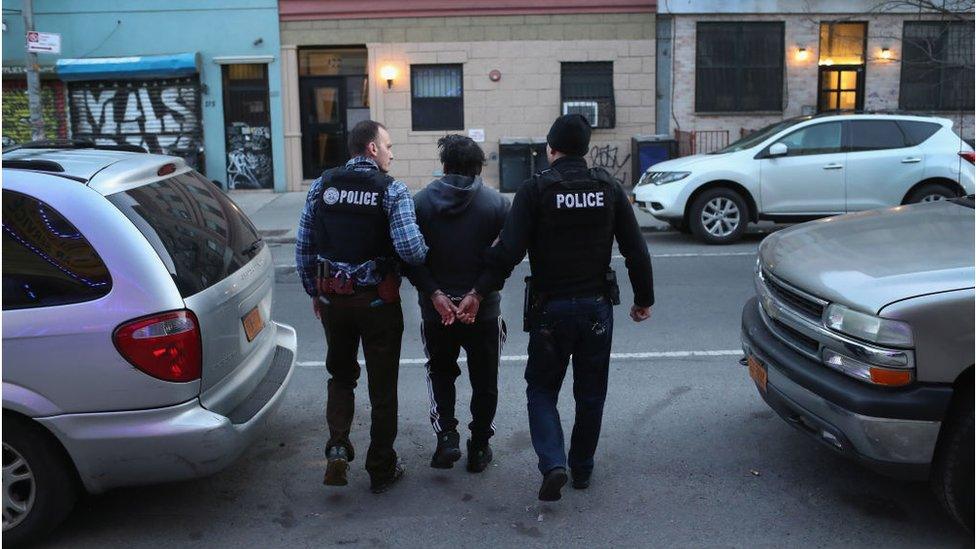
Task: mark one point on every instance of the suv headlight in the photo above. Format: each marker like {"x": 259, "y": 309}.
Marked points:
{"x": 871, "y": 328}
{"x": 661, "y": 178}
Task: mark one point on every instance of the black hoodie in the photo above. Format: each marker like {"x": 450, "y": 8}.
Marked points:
{"x": 460, "y": 218}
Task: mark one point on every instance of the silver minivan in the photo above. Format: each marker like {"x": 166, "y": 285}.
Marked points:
{"x": 138, "y": 344}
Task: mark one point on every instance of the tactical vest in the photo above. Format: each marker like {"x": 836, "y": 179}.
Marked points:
{"x": 574, "y": 236}
{"x": 350, "y": 223}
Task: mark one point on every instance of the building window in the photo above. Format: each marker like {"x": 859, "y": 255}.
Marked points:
{"x": 937, "y": 66}
{"x": 587, "y": 89}
{"x": 436, "y": 97}
{"x": 739, "y": 67}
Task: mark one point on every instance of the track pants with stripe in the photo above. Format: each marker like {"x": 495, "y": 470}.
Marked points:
{"x": 482, "y": 342}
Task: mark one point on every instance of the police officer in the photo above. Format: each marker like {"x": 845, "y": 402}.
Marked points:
{"x": 356, "y": 222}
{"x": 567, "y": 218}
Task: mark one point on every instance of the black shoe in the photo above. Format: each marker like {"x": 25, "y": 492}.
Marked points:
{"x": 448, "y": 450}
{"x": 479, "y": 456}
{"x": 378, "y": 486}
{"x": 552, "y": 483}
{"x": 337, "y": 467}
{"x": 581, "y": 480}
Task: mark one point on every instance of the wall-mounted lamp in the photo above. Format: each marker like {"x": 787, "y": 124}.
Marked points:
{"x": 802, "y": 54}
{"x": 885, "y": 53}
{"x": 388, "y": 73}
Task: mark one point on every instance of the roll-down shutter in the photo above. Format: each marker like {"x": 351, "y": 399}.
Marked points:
{"x": 161, "y": 115}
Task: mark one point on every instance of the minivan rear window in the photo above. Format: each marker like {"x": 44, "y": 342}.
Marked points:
{"x": 201, "y": 236}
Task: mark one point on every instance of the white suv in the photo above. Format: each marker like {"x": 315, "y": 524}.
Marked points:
{"x": 809, "y": 167}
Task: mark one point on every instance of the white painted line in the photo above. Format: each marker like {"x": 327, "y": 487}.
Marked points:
{"x": 618, "y": 256}
{"x": 523, "y": 358}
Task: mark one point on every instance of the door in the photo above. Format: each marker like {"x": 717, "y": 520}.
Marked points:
{"x": 323, "y": 124}
{"x": 881, "y": 164}
{"x": 247, "y": 127}
{"x": 841, "y": 88}
{"x": 809, "y": 178}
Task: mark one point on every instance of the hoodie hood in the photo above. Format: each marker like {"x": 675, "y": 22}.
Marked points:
{"x": 452, "y": 193}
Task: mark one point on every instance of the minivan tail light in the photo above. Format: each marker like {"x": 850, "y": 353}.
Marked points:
{"x": 166, "y": 346}
{"x": 166, "y": 169}
{"x": 969, "y": 155}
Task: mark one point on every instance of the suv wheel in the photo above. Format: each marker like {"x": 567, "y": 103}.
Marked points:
{"x": 39, "y": 489}
{"x": 718, "y": 216}
{"x": 931, "y": 192}
{"x": 952, "y": 475}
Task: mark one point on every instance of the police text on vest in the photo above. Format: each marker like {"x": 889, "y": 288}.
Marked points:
{"x": 355, "y": 198}
{"x": 592, "y": 199}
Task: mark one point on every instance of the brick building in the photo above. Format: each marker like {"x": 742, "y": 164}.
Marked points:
{"x": 499, "y": 71}
{"x": 739, "y": 66}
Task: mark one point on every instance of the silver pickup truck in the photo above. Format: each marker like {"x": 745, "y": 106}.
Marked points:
{"x": 861, "y": 335}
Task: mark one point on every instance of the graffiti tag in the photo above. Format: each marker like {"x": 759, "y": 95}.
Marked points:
{"x": 607, "y": 157}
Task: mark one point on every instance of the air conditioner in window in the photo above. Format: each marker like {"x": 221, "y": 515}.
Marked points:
{"x": 588, "y": 109}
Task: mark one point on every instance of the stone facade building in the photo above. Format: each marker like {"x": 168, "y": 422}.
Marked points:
{"x": 738, "y": 66}
{"x": 431, "y": 67}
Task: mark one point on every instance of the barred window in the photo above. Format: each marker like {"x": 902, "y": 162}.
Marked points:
{"x": 937, "y": 66}
{"x": 587, "y": 89}
{"x": 437, "y": 97}
{"x": 739, "y": 67}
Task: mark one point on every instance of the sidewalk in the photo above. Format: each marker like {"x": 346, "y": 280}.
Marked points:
{"x": 276, "y": 214}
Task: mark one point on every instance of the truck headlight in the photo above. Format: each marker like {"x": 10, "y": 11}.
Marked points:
{"x": 891, "y": 377}
{"x": 871, "y": 328}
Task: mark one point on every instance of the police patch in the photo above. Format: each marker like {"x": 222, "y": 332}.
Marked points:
{"x": 331, "y": 196}
{"x": 579, "y": 199}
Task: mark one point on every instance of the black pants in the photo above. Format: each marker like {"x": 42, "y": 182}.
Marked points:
{"x": 347, "y": 321}
{"x": 482, "y": 342}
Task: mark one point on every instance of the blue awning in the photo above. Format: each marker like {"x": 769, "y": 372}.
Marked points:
{"x": 140, "y": 67}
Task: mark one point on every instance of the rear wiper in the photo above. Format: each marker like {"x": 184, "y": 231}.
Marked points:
{"x": 255, "y": 246}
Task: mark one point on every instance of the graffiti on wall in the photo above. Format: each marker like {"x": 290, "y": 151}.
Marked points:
{"x": 249, "y": 157}
{"x": 16, "y": 112}
{"x": 160, "y": 116}
{"x": 608, "y": 158}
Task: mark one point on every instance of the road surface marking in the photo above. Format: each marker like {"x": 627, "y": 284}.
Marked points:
{"x": 618, "y": 256}
{"x": 523, "y": 358}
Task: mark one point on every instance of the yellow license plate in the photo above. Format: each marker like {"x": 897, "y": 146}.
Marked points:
{"x": 757, "y": 371}
{"x": 253, "y": 324}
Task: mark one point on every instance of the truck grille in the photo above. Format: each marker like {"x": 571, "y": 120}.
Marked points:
{"x": 795, "y": 301}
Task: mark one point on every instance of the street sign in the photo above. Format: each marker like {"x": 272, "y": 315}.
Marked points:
{"x": 43, "y": 42}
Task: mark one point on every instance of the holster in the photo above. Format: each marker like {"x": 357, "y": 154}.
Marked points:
{"x": 531, "y": 304}
{"x": 613, "y": 289}
{"x": 328, "y": 284}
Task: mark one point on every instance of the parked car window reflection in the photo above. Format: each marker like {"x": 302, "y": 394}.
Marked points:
{"x": 816, "y": 139}
{"x": 46, "y": 260}
{"x": 197, "y": 231}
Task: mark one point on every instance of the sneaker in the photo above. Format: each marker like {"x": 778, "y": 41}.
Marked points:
{"x": 336, "y": 467}
{"x": 448, "y": 450}
{"x": 380, "y": 486}
{"x": 552, "y": 483}
{"x": 479, "y": 456}
{"x": 581, "y": 480}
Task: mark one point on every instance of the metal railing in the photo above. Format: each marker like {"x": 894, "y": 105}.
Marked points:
{"x": 700, "y": 141}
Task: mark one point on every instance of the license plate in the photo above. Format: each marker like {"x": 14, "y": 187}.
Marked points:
{"x": 253, "y": 324}
{"x": 757, "y": 371}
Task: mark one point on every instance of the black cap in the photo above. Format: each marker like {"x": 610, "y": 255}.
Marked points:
{"x": 570, "y": 134}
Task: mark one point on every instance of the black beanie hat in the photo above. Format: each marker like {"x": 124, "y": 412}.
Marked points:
{"x": 570, "y": 134}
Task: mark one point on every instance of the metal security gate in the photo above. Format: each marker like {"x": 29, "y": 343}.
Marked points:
{"x": 161, "y": 115}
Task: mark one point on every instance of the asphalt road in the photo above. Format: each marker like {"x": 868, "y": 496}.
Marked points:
{"x": 690, "y": 455}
